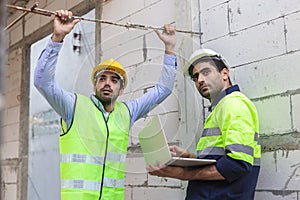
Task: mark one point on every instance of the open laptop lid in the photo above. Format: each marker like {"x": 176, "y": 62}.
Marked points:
{"x": 153, "y": 143}
{"x": 156, "y": 150}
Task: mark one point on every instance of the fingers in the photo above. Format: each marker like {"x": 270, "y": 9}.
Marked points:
{"x": 169, "y": 29}
{"x": 64, "y": 15}
{"x": 152, "y": 169}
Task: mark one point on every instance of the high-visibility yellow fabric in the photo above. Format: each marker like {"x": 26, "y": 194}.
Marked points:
{"x": 93, "y": 152}
{"x": 233, "y": 127}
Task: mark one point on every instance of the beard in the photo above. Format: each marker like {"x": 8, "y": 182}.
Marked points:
{"x": 106, "y": 98}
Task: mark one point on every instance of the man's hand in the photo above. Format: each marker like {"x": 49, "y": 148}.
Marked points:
{"x": 179, "y": 152}
{"x": 168, "y": 171}
{"x": 63, "y": 24}
{"x": 168, "y": 37}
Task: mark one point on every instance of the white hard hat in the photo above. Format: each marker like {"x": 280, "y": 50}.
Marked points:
{"x": 201, "y": 53}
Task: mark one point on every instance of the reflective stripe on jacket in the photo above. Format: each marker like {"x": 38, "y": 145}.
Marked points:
{"x": 232, "y": 129}
{"x": 93, "y": 153}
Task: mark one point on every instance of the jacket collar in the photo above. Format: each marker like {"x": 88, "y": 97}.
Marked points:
{"x": 222, "y": 94}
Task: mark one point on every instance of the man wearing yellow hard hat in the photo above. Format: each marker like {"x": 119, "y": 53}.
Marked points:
{"x": 95, "y": 130}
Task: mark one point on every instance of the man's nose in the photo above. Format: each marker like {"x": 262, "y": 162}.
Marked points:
{"x": 107, "y": 82}
{"x": 200, "y": 78}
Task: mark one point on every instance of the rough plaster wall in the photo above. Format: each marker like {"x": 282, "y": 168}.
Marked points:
{"x": 261, "y": 41}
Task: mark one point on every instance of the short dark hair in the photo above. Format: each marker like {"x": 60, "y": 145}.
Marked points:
{"x": 216, "y": 62}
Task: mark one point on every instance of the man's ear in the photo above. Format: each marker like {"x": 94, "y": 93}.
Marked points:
{"x": 121, "y": 91}
{"x": 225, "y": 74}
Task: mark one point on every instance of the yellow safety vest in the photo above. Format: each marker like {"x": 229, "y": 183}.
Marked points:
{"x": 232, "y": 129}
{"x": 93, "y": 153}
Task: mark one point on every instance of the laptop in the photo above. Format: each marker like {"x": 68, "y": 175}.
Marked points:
{"x": 156, "y": 150}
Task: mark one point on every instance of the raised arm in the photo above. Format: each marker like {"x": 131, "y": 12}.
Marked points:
{"x": 141, "y": 106}
{"x": 44, "y": 76}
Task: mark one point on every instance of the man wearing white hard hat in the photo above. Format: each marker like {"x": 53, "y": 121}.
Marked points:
{"x": 230, "y": 136}
{"x": 95, "y": 130}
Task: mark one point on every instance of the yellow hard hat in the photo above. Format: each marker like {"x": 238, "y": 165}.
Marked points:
{"x": 112, "y": 66}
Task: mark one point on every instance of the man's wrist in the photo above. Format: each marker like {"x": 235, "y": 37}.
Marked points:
{"x": 170, "y": 52}
{"x": 56, "y": 38}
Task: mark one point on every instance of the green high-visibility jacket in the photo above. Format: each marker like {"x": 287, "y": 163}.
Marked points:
{"x": 232, "y": 129}
{"x": 93, "y": 152}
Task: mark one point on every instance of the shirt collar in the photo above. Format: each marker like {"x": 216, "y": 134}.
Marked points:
{"x": 99, "y": 106}
{"x": 222, "y": 94}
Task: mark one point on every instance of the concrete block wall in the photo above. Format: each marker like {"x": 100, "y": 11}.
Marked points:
{"x": 13, "y": 159}
{"x": 259, "y": 38}
{"x": 261, "y": 41}
{"x": 141, "y": 52}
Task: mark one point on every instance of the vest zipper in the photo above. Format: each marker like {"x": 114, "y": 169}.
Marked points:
{"x": 106, "y": 147}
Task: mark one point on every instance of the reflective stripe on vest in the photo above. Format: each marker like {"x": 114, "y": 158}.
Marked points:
{"x": 89, "y": 159}
{"x": 91, "y": 185}
{"x": 93, "y": 152}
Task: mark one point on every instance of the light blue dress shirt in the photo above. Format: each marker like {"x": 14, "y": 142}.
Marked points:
{"x": 63, "y": 101}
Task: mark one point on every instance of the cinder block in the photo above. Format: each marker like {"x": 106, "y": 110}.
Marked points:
{"x": 16, "y": 33}
{"x": 128, "y": 193}
{"x": 249, "y": 46}
{"x": 72, "y": 3}
{"x": 9, "y": 191}
{"x": 276, "y": 195}
{"x": 114, "y": 10}
{"x": 156, "y": 15}
{"x": 274, "y": 109}
{"x": 9, "y": 174}
{"x": 56, "y": 5}
{"x": 163, "y": 182}
{"x": 12, "y": 98}
{"x": 265, "y": 77}
{"x": 288, "y": 8}
{"x": 14, "y": 61}
{"x": 157, "y": 193}
{"x": 136, "y": 173}
{"x": 155, "y": 47}
{"x": 10, "y": 150}
{"x": 12, "y": 115}
{"x": 293, "y": 32}
{"x": 13, "y": 82}
{"x": 245, "y": 13}
{"x": 206, "y": 4}
{"x": 170, "y": 104}
{"x": 295, "y": 112}
{"x": 32, "y": 24}
{"x": 146, "y": 75}
{"x": 10, "y": 133}
{"x": 279, "y": 171}
{"x": 127, "y": 53}
{"x": 116, "y": 36}
{"x": 214, "y": 22}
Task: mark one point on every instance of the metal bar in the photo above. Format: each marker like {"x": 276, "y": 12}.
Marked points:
{"x": 20, "y": 17}
{"x": 49, "y": 13}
